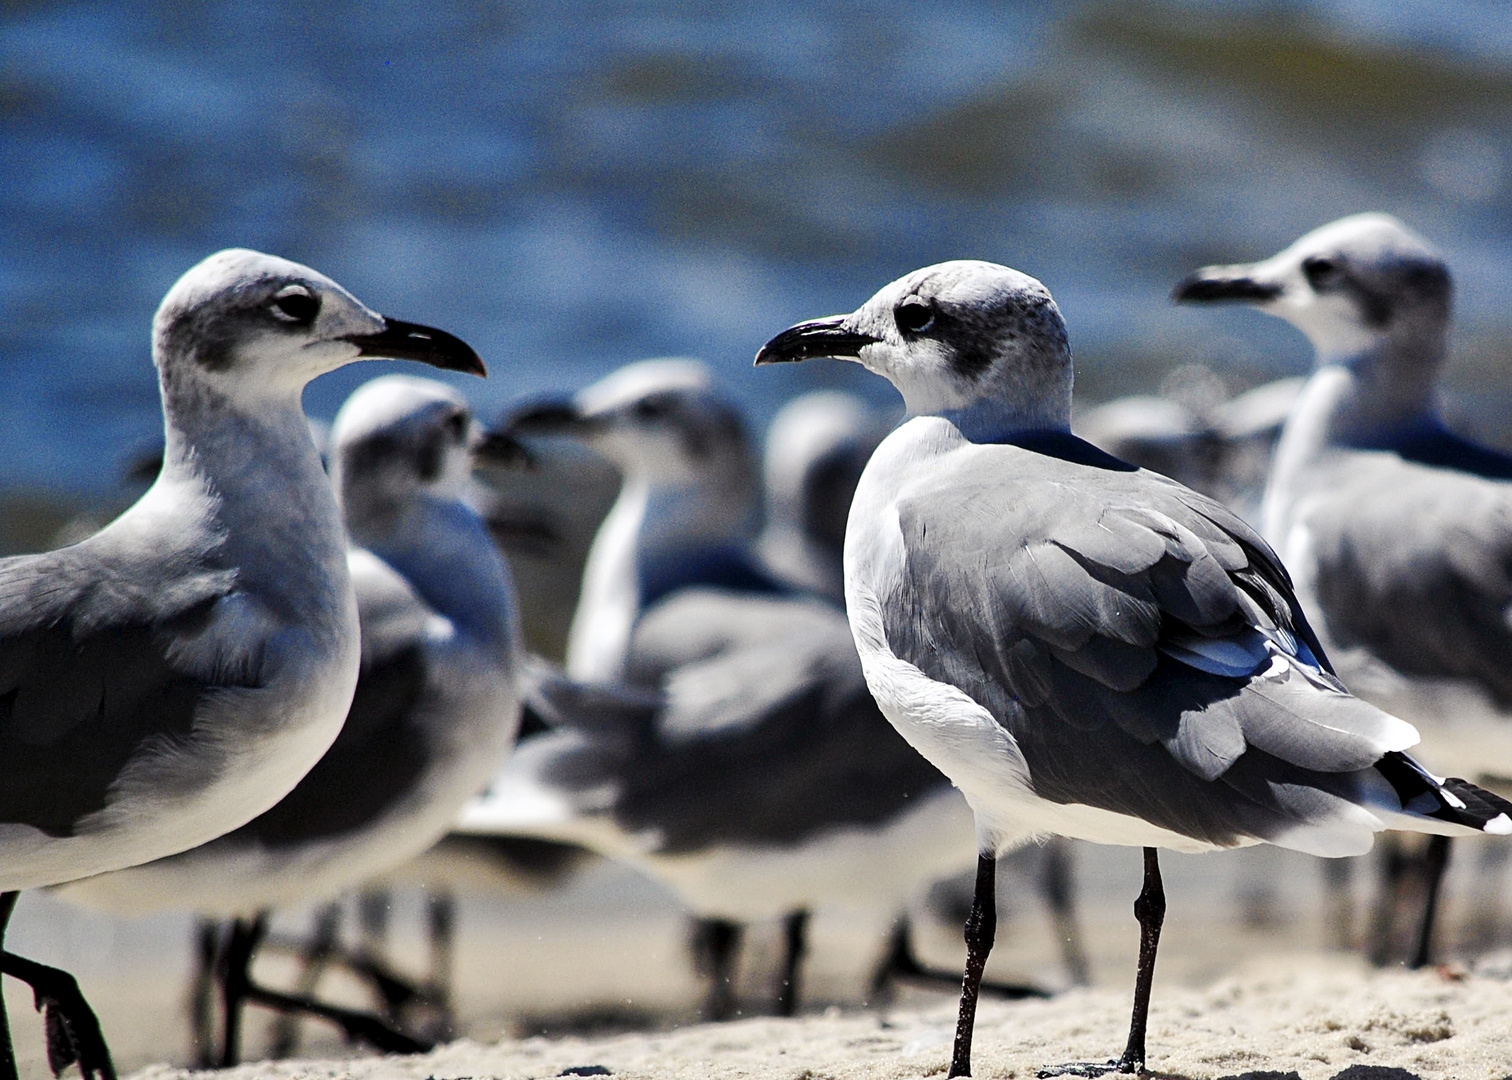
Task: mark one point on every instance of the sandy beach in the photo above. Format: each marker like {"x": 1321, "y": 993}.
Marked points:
{"x": 595, "y": 974}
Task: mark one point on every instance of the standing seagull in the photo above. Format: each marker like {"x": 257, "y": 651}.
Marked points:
{"x": 1085, "y": 648}
{"x": 1399, "y": 531}
{"x": 436, "y": 706}
{"x": 174, "y": 675}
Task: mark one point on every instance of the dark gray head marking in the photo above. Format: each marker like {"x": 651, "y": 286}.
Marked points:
{"x": 209, "y": 331}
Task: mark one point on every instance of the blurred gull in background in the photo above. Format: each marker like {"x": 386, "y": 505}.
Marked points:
{"x": 688, "y": 506}
{"x": 816, "y": 447}
{"x": 1399, "y": 531}
{"x": 435, "y": 709}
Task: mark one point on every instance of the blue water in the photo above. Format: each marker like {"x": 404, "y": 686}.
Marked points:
{"x": 573, "y": 186}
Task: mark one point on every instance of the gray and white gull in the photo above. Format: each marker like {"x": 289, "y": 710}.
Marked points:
{"x": 437, "y": 699}
{"x": 688, "y": 507}
{"x": 1399, "y": 531}
{"x": 1087, "y": 649}
{"x": 173, "y": 676}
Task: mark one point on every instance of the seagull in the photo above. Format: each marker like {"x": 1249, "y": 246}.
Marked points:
{"x": 437, "y": 700}
{"x": 1085, "y": 648}
{"x": 688, "y": 508}
{"x": 757, "y": 781}
{"x": 173, "y": 676}
{"x": 1398, "y": 530}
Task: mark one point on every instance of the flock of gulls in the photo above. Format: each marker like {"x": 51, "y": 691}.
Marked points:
{"x": 280, "y": 675}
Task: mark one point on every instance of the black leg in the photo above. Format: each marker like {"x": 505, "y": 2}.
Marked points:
{"x": 373, "y": 906}
{"x": 981, "y": 928}
{"x": 715, "y": 944}
{"x": 1149, "y": 909}
{"x": 794, "y": 944}
{"x": 7, "y": 1048}
{"x": 238, "y": 988}
{"x": 1384, "y": 918}
{"x": 441, "y": 923}
{"x": 314, "y": 958}
{"x": 900, "y": 964}
{"x": 242, "y": 938}
{"x": 1060, "y": 897}
{"x": 73, "y": 1031}
{"x": 207, "y": 938}
{"x": 1338, "y": 905}
{"x": 1435, "y": 862}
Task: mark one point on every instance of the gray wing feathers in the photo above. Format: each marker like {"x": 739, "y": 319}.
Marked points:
{"x": 1428, "y": 541}
{"x": 98, "y": 667}
{"x": 1121, "y": 603}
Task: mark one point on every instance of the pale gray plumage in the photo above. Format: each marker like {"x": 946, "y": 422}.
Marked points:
{"x": 172, "y": 676}
{"x": 688, "y": 507}
{"x": 437, "y": 701}
{"x": 760, "y": 741}
{"x": 1399, "y": 530}
{"x": 816, "y": 447}
{"x": 169, "y": 678}
{"x": 1083, "y": 647}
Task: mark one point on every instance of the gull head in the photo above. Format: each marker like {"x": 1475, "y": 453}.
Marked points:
{"x": 397, "y": 441}
{"x": 952, "y": 337}
{"x": 254, "y": 327}
{"x": 1351, "y": 286}
{"x": 657, "y": 419}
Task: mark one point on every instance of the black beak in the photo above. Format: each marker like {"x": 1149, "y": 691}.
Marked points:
{"x": 1219, "y": 284}
{"x": 810, "y": 340}
{"x": 411, "y": 341}
{"x": 501, "y": 448}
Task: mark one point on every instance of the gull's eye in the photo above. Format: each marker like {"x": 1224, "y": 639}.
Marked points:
{"x": 295, "y": 304}
{"x": 1321, "y": 272}
{"x": 914, "y": 316}
{"x": 455, "y": 426}
{"x": 649, "y": 409}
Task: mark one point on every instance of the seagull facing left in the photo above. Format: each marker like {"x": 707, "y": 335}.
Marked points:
{"x": 176, "y": 674}
{"x": 1086, "y": 648}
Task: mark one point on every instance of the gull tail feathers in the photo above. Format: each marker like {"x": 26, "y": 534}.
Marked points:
{"x": 1429, "y": 803}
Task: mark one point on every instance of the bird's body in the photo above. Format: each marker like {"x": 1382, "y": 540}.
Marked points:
{"x": 757, "y": 780}
{"x": 437, "y": 700}
{"x": 688, "y": 507}
{"x": 169, "y": 678}
{"x": 1083, "y": 647}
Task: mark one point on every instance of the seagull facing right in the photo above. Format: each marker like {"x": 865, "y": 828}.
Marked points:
{"x": 1399, "y": 531}
{"x": 173, "y": 676}
{"x": 1085, "y": 648}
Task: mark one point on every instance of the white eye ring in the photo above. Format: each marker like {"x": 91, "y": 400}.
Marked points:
{"x": 908, "y": 313}
{"x": 294, "y": 304}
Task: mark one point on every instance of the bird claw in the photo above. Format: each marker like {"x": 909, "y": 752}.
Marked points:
{"x": 1091, "y": 1069}
{"x": 73, "y": 1036}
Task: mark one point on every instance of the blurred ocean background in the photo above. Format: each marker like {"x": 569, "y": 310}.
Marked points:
{"x": 571, "y": 186}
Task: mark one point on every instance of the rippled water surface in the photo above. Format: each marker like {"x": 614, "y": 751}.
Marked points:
{"x": 572, "y": 186}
